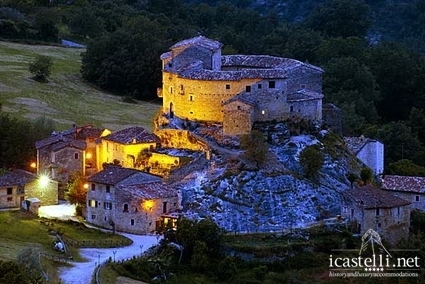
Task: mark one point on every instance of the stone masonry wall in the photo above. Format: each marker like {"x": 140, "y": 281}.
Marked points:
{"x": 181, "y": 139}
{"x": 48, "y": 195}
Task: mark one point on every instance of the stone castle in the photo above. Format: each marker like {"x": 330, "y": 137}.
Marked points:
{"x": 200, "y": 84}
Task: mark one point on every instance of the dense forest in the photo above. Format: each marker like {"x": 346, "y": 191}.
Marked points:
{"x": 372, "y": 51}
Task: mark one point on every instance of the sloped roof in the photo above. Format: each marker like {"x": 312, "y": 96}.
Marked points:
{"x": 58, "y": 142}
{"x": 403, "y": 183}
{"x": 89, "y": 132}
{"x": 112, "y": 175}
{"x": 199, "y": 41}
{"x": 132, "y": 135}
{"x": 356, "y": 144}
{"x": 304, "y": 95}
{"x": 370, "y": 197}
{"x": 17, "y": 177}
{"x": 152, "y": 190}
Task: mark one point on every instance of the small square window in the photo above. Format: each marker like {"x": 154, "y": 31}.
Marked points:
{"x": 302, "y": 86}
{"x": 93, "y": 216}
{"x": 227, "y": 87}
{"x": 417, "y": 198}
{"x": 248, "y": 89}
{"x": 239, "y": 107}
{"x": 272, "y": 84}
{"x": 259, "y": 86}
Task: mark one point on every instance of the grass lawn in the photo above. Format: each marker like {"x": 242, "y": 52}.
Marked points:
{"x": 66, "y": 98}
{"x": 21, "y": 229}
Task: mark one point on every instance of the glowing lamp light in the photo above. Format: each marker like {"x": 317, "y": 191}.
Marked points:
{"x": 88, "y": 155}
{"x": 148, "y": 204}
{"x": 33, "y": 165}
{"x": 43, "y": 181}
{"x": 86, "y": 185}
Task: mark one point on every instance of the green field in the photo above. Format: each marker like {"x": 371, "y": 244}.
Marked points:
{"x": 66, "y": 98}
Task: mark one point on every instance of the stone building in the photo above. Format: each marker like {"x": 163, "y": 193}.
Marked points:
{"x": 129, "y": 200}
{"x": 123, "y": 147}
{"x": 409, "y": 188}
{"x": 370, "y": 208}
{"x": 200, "y": 84}
{"x": 19, "y": 185}
{"x": 369, "y": 151}
{"x": 67, "y": 152}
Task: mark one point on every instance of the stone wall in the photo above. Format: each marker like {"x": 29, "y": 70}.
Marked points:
{"x": 372, "y": 154}
{"x": 392, "y": 223}
{"x": 238, "y": 118}
{"x": 180, "y": 139}
{"x": 48, "y": 194}
{"x": 12, "y": 200}
{"x": 412, "y": 197}
{"x": 304, "y": 78}
{"x": 309, "y": 109}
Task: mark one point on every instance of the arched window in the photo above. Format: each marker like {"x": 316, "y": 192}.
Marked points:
{"x": 125, "y": 207}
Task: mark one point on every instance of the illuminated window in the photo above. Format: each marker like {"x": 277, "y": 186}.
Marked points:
{"x": 263, "y": 112}
{"x": 272, "y": 84}
{"x": 93, "y": 203}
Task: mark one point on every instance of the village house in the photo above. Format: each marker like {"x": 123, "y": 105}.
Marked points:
{"x": 367, "y": 208}
{"x": 369, "y": 151}
{"x": 409, "y": 188}
{"x": 19, "y": 185}
{"x": 129, "y": 200}
{"x": 68, "y": 152}
{"x": 199, "y": 84}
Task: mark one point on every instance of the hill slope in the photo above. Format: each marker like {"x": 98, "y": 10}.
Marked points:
{"x": 65, "y": 98}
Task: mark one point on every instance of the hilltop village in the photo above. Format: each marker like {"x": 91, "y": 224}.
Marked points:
{"x": 193, "y": 163}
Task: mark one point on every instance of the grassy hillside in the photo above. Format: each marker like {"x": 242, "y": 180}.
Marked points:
{"x": 65, "y": 98}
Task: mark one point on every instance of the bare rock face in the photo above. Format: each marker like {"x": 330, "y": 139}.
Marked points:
{"x": 276, "y": 197}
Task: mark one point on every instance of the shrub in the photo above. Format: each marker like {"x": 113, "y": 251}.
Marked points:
{"x": 311, "y": 159}
{"x": 41, "y": 68}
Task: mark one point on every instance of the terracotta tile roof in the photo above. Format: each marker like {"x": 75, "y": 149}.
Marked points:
{"x": 135, "y": 134}
{"x": 212, "y": 75}
{"x": 370, "y": 197}
{"x": 152, "y": 190}
{"x": 17, "y": 177}
{"x": 58, "y": 142}
{"x": 403, "y": 183}
{"x": 112, "y": 175}
{"x": 89, "y": 132}
{"x": 355, "y": 144}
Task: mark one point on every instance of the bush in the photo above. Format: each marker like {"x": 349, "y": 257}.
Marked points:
{"x": 311, "y": 159}
{"x": 41, "y": 68}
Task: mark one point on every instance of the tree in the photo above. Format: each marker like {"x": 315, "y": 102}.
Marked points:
{"x": 41, "y": 68}
{"x": 11, "y": 272}
{"x": 77, "y": 191}
{"x": 366, "y": 175}
{"x": 255, "y": 147}
{"x": 311, "y": 159}
{"x": 352, "y": 177}
{"x": 405, "y": 167}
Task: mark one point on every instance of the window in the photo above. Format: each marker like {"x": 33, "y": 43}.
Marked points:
{"x": 272, "y": 84}
{"x": 93, "y": 187}
{"x": 191, "y": 98}
{"x": 9, "y": 199}
{"x": 398, "y": 211}
{"x": 291, "y": 109}
{"x": 92, "y": 203}
{"x": 125, "y": 207}
{"x": 417, "y": 198}
{"x": 302, "y": 86}
{"x": 132, "y": 222}
{"x": 239, "y": 107}
{"x": 378, "y": 211}
{"x": 9, "y": 190}
{"x": 93, "y": 216}
{"x": 107, "y": 205}
{"x": 379, "y": 225}
{"x": 263, "y": 112}
{"x": 227, "y": 87}
{"x": 164, "y": 207}
{"x": 171, "y": 90}
{"x": 108, "y": 189}
{"x": 76, "y": 156}
{"x": 259, "y": 86}
{"x": 248, "y": 89}
{"x": 181, "y": 87}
